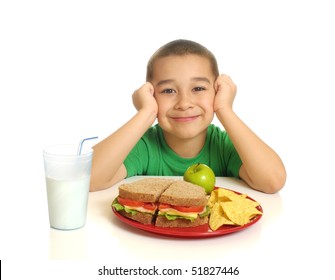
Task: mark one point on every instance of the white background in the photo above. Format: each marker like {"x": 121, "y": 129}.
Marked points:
{"x": 68, "y": 69}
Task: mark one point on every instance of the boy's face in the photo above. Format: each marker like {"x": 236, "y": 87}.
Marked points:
{"x": 184, "y": 91}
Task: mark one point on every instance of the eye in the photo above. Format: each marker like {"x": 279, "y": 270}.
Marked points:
{"x": 199, "y": 89}
{"x": 168, "y": 91}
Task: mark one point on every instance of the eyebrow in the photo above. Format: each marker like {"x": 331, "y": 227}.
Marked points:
{"x": 201, "y": 79}
{"x": 162, "y": 82}
{"x": 195, "y": 79}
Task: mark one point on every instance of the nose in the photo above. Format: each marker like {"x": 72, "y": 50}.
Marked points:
{"x": 184, "y": 101}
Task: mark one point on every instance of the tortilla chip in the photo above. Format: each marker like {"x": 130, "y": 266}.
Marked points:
{"x": 230, "y": 208}
{"x": 218, "y": 218}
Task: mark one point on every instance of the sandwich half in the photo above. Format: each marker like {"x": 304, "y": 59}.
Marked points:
{"x": 182, "y": 204}
{"x": 139, "y": 200}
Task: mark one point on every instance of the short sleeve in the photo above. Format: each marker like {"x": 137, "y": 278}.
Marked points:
{"x": 137, "y": 160}
{"x": 232, "y": 158}
{"x": 223, "y": 155}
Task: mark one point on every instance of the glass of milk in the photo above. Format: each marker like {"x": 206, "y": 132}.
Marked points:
{"x": 67, "y": 180}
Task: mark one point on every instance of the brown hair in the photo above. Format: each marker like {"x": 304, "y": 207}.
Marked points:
{"x": 181, "y": 47}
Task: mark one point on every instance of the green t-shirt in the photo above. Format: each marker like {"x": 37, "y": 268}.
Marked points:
{"x": 152, "y": 156}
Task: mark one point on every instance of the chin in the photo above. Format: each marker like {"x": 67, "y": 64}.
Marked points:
{"x": 186, "y": 132}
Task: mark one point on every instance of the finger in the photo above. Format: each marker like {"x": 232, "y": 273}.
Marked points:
{"x": 218, "y": 82}
{"x": 226, "y": 77}
{"x": 149, "y": 88}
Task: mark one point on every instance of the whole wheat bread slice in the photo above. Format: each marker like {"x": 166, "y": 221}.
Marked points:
{"x": 146, "y": 190}
{"x": 182, "y": 193}
{"x": 143, "y": 218}
{"x": 161, "y": 221}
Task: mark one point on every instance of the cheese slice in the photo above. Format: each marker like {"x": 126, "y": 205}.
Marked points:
{"x": 171, "y": 211}
{"x": 141, "y": 209}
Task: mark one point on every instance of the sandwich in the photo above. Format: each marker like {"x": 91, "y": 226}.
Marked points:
{"x": 163, "y": 202}
{"x": 139, "y": 200}
{"x": 182, "y": 204}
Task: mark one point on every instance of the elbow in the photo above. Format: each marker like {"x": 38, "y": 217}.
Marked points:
{"x": 273, "y": 187}
{"x": 96, "y": 187}
{"x": 267, "y": 181}
{"x": 98, "y": 182}
{"x": 275, "y": 182}
{"x": 93, "y": 186}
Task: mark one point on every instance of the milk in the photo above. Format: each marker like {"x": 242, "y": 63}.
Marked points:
{"x": 67, "y": 202}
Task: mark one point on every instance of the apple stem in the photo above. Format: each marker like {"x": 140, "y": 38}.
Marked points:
{"x": 196, "y": 167}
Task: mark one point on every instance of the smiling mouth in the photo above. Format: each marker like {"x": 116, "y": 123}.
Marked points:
{"x": 185, "y": 119}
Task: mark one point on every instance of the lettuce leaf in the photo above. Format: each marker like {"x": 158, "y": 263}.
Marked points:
{"x": 206, "y": 212}
{"x": 118, "y": 207}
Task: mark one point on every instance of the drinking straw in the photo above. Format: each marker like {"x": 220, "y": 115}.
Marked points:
{"x": 82, "y": 142}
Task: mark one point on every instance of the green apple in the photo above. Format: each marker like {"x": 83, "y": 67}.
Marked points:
{"x": 202, "y": 175}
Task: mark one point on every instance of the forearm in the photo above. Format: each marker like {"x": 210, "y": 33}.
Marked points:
{"x": 262, "y": 168}
{"x": 110, "y": 153}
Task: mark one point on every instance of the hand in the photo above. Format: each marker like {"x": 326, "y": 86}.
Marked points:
{"x": 225, "y": 93}
{"x": 143, "y": 99}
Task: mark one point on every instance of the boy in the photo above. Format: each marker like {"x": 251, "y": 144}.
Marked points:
{"x": 183, "y": 91}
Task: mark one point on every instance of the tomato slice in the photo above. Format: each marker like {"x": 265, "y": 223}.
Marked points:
{"x": 185, "y": 209}
{"x": 129, "y": 202}
{"x": 164, "y": 206}
{"x": 149, "y": 206}
{"x": 134, "y": 203}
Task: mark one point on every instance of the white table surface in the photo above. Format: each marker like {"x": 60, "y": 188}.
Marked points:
{"x": 291, "y": 238}
{"x": 104, "y": 230}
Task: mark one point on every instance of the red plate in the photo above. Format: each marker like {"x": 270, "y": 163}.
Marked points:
{"x": 190, "y": 232}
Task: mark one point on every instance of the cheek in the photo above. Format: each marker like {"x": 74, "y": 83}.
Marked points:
{"x": 208, "y": 104}
{"x": 162, "y": 107}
